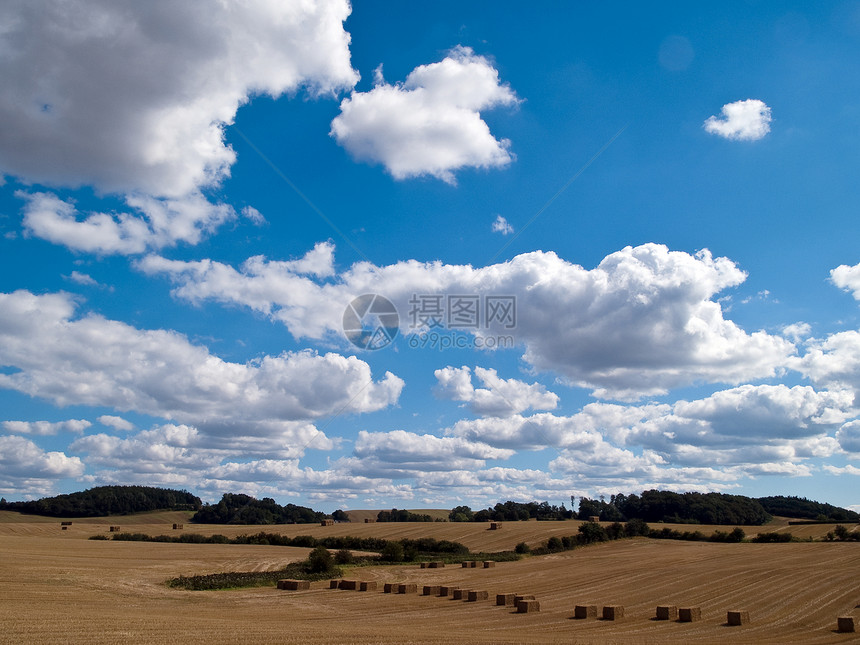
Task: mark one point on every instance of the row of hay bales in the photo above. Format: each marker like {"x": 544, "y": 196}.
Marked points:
{"x": 664, "y": 612}
{"x": 433, "y": 565}
{"x": 524, "y": 604}
{"x": 473, "y": 564}
{"x": 115, "y": 529}
{"x": 353, "y": 585}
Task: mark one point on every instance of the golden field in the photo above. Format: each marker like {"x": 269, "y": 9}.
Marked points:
{"x": 59, "y": 587}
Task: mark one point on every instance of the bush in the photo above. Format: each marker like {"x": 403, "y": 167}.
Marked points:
{"x": 554, "y": 544}
{"x": 772, "y": 537}
{"x": 592, "y": 532}
{"x": 392, "y": 552}
{"x": 636, "y": 527}
{"x": 320, "y": 560}
{"x": 521, "y": 548}
{"x": 343, "y": 556}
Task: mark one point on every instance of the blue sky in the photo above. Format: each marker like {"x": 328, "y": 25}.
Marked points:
{"x": 190, "y": 202}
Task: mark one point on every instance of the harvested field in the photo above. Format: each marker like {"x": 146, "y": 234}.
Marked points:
{"x": 59, "y": 587}
{"x": 473, "y": 534}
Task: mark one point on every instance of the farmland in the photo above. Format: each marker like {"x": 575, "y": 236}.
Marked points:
{"x": 57, "y": 586}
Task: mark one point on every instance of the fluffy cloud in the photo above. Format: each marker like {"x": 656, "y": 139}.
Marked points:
{"x": 430, "y": 124}
{"x": 133, "y": 97}
{"x": 848, "y": 278}
{"x": 747, "y": 120}
{"x": 100, "y": 362}
{"x": 115, "y": 422}
{"x": 849, "y": 436}
{"x": 500, "y": 225}
{"x": 157, "y": 223}
{"x": 833, "y": 361}
{"x": 641, "y": 322}
{"x": 405, "y": 454}
{"x": 26, "y": 467}
{"x": 498, "y": 398}
{"x": 180, "y": 455}
{"x": 744, "y": 430}
{"x": 45, "y": 428}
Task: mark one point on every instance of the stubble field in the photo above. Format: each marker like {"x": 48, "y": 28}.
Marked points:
{"x": 58, "y": 587}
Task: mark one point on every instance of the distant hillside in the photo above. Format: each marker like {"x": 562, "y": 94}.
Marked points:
{"x": 108, "y": 500}
{"x": 806, "y": 509}
{"x": 244, "y": 509}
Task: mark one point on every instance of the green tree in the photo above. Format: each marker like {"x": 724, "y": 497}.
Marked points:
{"x": 320, "y": 560}
{"x": 554, "y": 544}
{"x": 343, "y": 556}
{"x": 592, "y": 532}
{"x": 461, "y": 514}
{"x": 392, "y": 552}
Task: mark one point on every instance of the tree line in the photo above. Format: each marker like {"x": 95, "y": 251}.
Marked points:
{"x": 108, "y": 500}
{"x": 663, "y": 506}
{"x": 238, "y": 508}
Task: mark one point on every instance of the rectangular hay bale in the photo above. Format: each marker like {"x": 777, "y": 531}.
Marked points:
{"x": 367, "y": 585}
{"x": 689, "y": 614}
{"x": 444, "y": 591}
{"x": 581, "y": 612}
{"x": 294, "y": 585}
{"x": 348, "y": 585}
{"x": 407, "y": 588}
{"x": 845, "y": 624}
{"x": 430, "y": 590}
{"x": 475, "y": 596}
{"x": 519, "y": 597}
{"x": 505, "y": 599}
{"x": 528, "y": 606}
{"x": 735, "y": 618}
{"x": 424, "y": 565}
{"x": 460, "y": 594}
{"x": 613, "y": 612}
{"x": 334, "y": 584}
{"x": 65, "y": 523}
{"x": 667, "y": 612}
{"x": 436, "y": 565}
{"x": 389, "y": 587}
{"x": 489, "y": 564}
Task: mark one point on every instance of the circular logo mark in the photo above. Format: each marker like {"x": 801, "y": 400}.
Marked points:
{"x": 370, "y": 321}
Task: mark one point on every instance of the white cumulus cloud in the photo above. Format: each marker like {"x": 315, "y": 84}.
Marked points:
{"x": 847, "y": 278}
{"x": 26, "y": 467}
{"x": 133, "y": 97}
{"x": 46, "y": 428}
{"x": 499, "y": 397}
{"x": 431, "y": 123}
{"x": 641, "y": 322}
{"x": 115, "y": 422}
{"x": 501, "y": 225}
{"x": 99, "y": 362}
{"x": 747, "y": 120}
